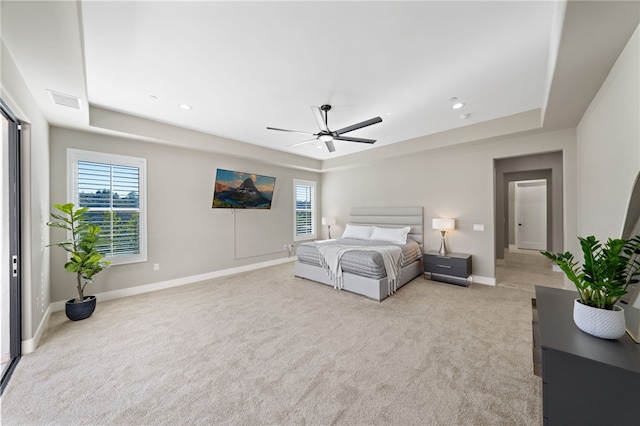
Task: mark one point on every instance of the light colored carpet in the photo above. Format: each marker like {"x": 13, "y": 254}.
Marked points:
{"x": 265, "y": 347}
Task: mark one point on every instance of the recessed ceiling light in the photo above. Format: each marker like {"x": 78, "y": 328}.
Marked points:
{"x": 453, "y": 99}
{"x": 153, "y": 97}
{"x": 186, "y": 107}
{"x": 457, "y": 105}
{"x": 464, "y": 116}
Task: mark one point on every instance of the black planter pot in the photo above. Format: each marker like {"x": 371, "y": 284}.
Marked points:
{"x": 77, "y": 311}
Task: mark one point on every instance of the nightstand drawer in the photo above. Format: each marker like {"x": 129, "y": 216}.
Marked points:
{"x": 446, "y": 261}
{"x": 440, "y": 268}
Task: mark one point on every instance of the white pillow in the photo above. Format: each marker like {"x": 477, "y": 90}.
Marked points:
{"x": 358, "y": 232}
{"x": 391, "y": 235}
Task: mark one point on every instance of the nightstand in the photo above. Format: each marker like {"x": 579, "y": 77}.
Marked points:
{"x": 452, "y": 268}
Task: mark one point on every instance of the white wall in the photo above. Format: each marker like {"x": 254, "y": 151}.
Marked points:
{"x": 455, "y": 182}
{"x": 35, "y": 198}
{"x": 185, "y": 235}
{"x": 609, "y": 147}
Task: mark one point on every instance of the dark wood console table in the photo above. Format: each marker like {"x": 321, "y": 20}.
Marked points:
{"x": 585, "y": 380}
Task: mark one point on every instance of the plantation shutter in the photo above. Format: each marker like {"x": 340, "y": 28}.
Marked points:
{"x": 304, "y": 209}
{"x": 111, "y": 193}
{"x": 113, "y": 190}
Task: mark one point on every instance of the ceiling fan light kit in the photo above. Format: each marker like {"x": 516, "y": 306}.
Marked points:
{"x": 328, "y": 136}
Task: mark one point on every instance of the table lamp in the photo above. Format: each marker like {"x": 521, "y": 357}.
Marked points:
{"x": 329, "y": 221}
{"x": 443, "y": 225}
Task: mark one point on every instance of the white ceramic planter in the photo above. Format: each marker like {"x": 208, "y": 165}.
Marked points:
{"x": 599, "y": 322}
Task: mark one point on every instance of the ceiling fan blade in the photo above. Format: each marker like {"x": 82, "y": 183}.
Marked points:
{"x": 291, "y": 131}
{"x": 330, "y": 146}
{"x": 303, "y": 142}
{"x": 350, "y": 139}
{"x": 319, "y": 118}
{"x": 358, "y": 125}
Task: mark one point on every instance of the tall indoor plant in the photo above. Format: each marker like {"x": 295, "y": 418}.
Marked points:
{"x": 83, "y": 259}
{"x": 603, "y": 278}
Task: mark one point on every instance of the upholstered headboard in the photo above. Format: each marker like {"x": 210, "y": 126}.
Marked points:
{"x": 391, "y": 217}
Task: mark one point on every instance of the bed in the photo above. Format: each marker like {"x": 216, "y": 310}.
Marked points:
{"x": 363, "y": 268}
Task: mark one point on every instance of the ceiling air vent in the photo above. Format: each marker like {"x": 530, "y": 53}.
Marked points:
{"x": 65, "y": 100}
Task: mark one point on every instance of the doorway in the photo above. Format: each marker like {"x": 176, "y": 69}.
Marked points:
{"x": 547, "y": 167}
{"x": 530, "y": 207}
{"x": 10, "y": 275}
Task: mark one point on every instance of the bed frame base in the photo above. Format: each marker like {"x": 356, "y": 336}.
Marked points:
{"x": 372, "y": 288}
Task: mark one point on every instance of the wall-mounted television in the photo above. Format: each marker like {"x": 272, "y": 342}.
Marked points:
{"x": 239, "y": 190}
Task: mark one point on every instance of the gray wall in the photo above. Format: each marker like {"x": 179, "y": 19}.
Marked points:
{"x": 455, "y": 182}
{"x": 609, "y": 148}
{"x": 185, "y": 235}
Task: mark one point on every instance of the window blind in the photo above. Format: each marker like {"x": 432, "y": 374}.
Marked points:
{"x": 113, "y": 188}
{"x": 304, "y": 209}
{"x": 112, "y": 194}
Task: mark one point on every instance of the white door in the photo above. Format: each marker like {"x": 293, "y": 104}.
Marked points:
{"x": 531, "y": 214}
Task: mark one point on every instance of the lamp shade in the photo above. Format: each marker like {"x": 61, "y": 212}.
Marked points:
{"x": 329, "y": 221}
{"x": 443, "y": 224}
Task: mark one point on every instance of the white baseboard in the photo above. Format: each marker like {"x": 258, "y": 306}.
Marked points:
{"x": 30, "y": 345}
{"x": 132, "y": 291}
{"x": 484, "y": 280}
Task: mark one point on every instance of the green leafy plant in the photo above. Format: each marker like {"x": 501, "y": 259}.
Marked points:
{"x": 608, "y": 269}
{"x": 84, "y": 260}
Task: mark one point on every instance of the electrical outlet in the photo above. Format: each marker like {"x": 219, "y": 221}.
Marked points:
{"x": 156, "y": 266}
{"x": 478, "y": 227}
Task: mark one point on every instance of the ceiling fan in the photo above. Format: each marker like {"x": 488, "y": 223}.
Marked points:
{"x": 328, "y": 136}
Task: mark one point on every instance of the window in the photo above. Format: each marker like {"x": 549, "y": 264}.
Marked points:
{"x": 113, "y": 187}
{"x": 304, "y": 194}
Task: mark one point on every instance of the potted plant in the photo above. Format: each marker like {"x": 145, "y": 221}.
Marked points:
{"x": 607, "y": 271}
{"x": 83, "y": 260}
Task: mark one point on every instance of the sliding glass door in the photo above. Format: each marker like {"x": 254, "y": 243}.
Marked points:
{"x": 10, "y": 243}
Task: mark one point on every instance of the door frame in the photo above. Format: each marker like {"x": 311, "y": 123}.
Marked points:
{"x": 518, "y": 210}
{"x": 15, "y": 296}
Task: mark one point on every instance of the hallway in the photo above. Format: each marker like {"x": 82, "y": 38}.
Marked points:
{"x": 524, "y": 269}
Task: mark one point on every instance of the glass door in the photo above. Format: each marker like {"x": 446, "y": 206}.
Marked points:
{"x": 10, "y": 243}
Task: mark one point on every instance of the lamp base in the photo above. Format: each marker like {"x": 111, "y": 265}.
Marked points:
{"x": 443, "y": 245}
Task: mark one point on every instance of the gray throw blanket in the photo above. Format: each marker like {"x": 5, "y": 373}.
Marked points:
{"x": 331, "y": 256}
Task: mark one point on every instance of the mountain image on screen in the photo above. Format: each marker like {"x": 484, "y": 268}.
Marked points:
{"x": 245, "y": 195}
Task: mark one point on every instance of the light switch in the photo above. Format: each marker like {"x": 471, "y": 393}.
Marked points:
{"x": 478, "y": 227}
